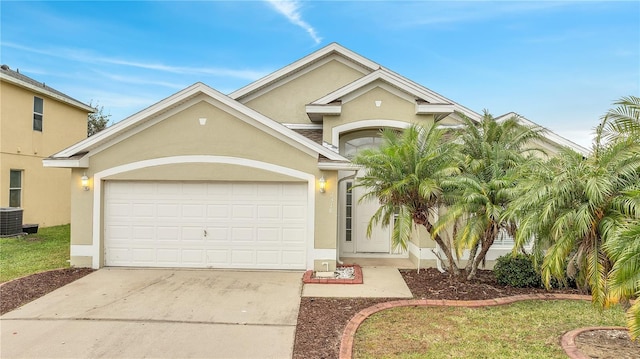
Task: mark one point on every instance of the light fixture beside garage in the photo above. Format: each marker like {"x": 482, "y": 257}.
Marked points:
{"x": 203, "y": 121}
{"x": 323, "y": 184}
{"x": 84, "y": 181}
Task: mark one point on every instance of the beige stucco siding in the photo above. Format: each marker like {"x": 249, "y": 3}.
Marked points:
{"x": 45, "y": 191}
{"x": 364, "y": 107}
{"x": 223, "y": 135}
{"x": 286, "y": 103}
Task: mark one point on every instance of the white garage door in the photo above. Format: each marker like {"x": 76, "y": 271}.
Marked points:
{"x": 206, "y": 225}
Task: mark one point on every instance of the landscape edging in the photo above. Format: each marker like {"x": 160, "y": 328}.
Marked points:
{"x": 568, "y": 341}
{"x": 348, "y": 335}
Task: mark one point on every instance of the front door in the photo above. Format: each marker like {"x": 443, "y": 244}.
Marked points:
{"x": 380, "y": 239}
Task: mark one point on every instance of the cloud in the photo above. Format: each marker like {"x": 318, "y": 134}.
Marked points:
{"x": 290, "y": 9}
{"x": 86, "y": 57}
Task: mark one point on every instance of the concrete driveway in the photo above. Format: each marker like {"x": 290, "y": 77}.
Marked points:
{"x": 159, "y": 313}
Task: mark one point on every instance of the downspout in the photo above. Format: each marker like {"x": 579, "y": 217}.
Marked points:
{"x": 338, "y": 211}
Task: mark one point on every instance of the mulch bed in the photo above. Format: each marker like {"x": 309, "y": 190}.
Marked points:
{"x": 322, "y": 320}
{"x": 15, "y": 293}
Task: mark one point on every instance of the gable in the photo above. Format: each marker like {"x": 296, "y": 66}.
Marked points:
{"x": 223, "y": 134}
{"x": 78, "y": 155}
{"x": 285, "y": 101}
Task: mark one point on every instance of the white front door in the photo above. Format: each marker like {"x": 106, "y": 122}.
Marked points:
{"x": 380, "y": 239}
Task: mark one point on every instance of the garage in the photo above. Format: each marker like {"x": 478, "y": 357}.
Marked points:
{"x": 242, "y": 225}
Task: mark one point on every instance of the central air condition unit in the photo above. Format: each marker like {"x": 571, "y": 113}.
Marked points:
{"x": 10, "y": 221}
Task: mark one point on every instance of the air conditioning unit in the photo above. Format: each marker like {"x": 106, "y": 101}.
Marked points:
{"x": 10, "y": 221}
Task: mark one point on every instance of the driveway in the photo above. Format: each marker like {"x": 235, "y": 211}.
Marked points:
{"x": 159, "y": 313}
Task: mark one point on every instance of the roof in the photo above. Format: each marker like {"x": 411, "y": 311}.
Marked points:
{"x": 333, "y": 48}
{"x": 137, "y": 122}
{"x": 422, "y": 95}
{"x": 547, "y": 134}
{"x": 16, "y": 78}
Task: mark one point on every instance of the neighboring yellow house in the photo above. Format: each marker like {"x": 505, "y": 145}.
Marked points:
{"x": 36, "y": 121}
{"x": 257, "y": 179}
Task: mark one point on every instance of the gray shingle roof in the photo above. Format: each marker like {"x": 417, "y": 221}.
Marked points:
{"x": 5, "y": 70}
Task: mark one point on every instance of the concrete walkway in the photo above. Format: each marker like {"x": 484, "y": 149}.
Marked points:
{"x": 124, "y": 313}
{"x": 378, "y": 282}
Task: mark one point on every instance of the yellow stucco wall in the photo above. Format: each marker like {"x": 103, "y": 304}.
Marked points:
{"x": 286, "y": 103}
{"x": 45, "y": 194}
{"x": 363, "y": 107}
{"x": 223, "y": 135}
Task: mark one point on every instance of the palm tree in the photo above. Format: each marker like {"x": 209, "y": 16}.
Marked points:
{"x": 478, "y": 199}
{"x": 404, "y": 174}
{"x": 572, "y": 206}
{"x": 621, "y": 122}
{"x": 622, "y": 125}
{"x": 624, "y": 279}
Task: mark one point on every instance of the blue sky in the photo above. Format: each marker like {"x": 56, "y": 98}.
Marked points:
{"x": 559, "y": 64}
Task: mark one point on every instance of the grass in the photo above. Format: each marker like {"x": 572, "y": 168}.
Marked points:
{"x": 48, "y": 249}
{"x": 528, "y": 329}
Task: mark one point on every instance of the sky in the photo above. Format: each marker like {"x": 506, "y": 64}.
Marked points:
{"x": 561, "y": 65}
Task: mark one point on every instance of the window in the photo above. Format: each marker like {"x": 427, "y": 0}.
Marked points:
{"x": 352, "y": 143}
{"x": 15, "y": 188}
{"x": 38, "y": 107}
{"x": 349, "y": 212}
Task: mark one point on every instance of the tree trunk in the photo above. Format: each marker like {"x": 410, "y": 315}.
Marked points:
{"x": 453, "y": 268}
{"x": 471, "y": 258}
{"x": 486, "y": 245}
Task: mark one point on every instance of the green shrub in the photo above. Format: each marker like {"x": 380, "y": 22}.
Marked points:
{"x": 516, "y": 271}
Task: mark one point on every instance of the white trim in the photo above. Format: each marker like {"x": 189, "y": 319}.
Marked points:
{"x": 303, "y": 126}
{"x": 44, "y": 91}
{"x": 337, "y": 166}
{"x": 99, "y": 176}
{"x": 400, "y": 82}
{"x": 434, "y": 108}
{"x": 81, "y": 250}
{"x": 548, "y": 134}
{"x": 304, "y": 62}
{"x": 82, "y": 162}
{"x": 364, "y": 124}
{"x": 168, "y": 106}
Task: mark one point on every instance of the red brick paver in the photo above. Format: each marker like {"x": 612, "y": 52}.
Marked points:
{"x": 307, "y": 278}
{"x": 348, "y": 335}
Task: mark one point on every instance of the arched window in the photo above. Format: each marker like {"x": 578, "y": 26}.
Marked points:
{"x": 354, "y": 142}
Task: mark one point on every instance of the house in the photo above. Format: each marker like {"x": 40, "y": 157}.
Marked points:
{"x": 36, "y": 121}
{"x": 257, "y": 179}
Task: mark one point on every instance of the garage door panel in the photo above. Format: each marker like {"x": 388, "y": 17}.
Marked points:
{"x": 269, "y": 212}
{"x": 268, "y": 235}
{"x": 242, "y": 257}
{"x": 212, "y": 224}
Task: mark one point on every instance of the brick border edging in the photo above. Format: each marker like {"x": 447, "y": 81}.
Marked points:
{"x": 568, "y": 340}
{"x": 307, "y": 277}
{"x": 348, "y": 335}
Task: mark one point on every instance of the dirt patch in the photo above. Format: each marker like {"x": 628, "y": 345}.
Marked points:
{"x": 608, "y": 344}
{"x": 21, "y": 291}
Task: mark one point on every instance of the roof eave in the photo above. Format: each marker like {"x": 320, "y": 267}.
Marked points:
{"x": 44, "y": 91}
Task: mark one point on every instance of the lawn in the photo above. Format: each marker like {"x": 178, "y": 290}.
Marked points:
{"x": 528, "y": 329}
{"x": 48, "y": 249}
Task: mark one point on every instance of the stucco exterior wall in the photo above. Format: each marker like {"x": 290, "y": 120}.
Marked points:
{"x": 45, "y": 191}
{"x": 363, "y": 107}
{"x": 286, "y": 103}
{"x": 223, "y": 135}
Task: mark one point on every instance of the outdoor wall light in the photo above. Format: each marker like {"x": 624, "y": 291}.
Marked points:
{"x": 323, "y": 184}
{"x": 84, "y": 180}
